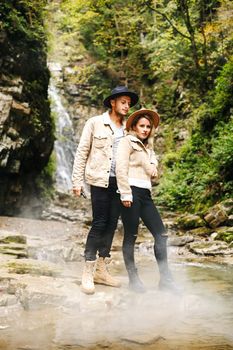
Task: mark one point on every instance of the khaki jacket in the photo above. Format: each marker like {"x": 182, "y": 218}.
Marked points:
{"x": 93, "y": 157}
{"x": 134, "y": 165}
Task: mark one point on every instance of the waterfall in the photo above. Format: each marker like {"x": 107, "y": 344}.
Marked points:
{"x": 64, "y": 145}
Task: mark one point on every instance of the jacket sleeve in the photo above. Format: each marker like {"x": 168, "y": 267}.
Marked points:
{"x": 153, "y": 159}
{"x": 82, "y": 154}
{"x": 122, "y": 168}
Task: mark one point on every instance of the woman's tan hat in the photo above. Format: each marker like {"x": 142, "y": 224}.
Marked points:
{"x": 148, "y": 112}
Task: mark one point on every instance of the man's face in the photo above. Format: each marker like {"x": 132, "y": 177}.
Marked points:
{"x": 121, "y": 105}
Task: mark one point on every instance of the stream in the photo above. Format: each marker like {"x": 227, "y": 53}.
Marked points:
{"x": 51, "y": 313}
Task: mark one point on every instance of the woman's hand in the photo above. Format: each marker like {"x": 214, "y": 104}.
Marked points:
{"x": 154, "y": 172}
{"x": 127, "y": 204}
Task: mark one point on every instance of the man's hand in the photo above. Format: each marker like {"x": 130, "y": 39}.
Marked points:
{"x": 77, "y": 191}
{"x": 127, "y": 204}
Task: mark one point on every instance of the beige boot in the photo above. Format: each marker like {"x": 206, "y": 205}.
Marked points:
{"x": 102, "y": 276}
{"x": 87, "y": 285}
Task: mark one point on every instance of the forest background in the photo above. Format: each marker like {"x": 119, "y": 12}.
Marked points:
{"x": 177, "y": 55}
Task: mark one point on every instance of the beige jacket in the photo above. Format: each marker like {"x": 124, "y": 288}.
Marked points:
{"x": 134, "y": 165}
{"x": 93, "y": 157}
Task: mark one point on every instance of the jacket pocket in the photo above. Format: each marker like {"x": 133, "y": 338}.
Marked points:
{"x": 99, "y": 141}
{"x": 136, "y": 147}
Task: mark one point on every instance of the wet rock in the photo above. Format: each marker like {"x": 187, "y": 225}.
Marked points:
{"x": 8, "y": 300}
{"x": 200, "y": 231}
{"x": 13, "y": 244}
{"x": 36, "y": 292}
{"x": 143, "y": 339}
{"x": 210, "y": 248}
{"x": 18, "y": 250}
{"x": 33, "y": 267}
{"x": 9, "y": 237}
{"x": 57, "y": 252}
{"x": 189, "y": 221}
{"x": 145, "y": 248}
{"x": 61, "y": 213}
{"x": 179, "y": 241}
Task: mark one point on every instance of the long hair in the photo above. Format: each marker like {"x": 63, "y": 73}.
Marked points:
{"x": 149, "y": 139}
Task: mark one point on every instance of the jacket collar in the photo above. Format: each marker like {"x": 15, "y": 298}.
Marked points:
{"x": 133, "y": 138}
{"x": 107, "y": 120}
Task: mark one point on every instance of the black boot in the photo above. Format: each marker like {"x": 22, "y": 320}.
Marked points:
{"x": 166, "y": 280}
{"x": 135, "y": 283}
{"x": 167, "y": 283}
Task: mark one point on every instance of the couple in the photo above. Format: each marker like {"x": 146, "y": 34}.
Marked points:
{"x": 117, "y": 160}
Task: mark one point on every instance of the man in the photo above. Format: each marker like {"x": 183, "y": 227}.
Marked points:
{"x": 95, "y": 164}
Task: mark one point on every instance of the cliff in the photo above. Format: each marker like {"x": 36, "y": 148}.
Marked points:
{"x": 26, "y": 127}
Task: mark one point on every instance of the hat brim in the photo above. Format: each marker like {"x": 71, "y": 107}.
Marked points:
{"x": 132, "y": 95}
{"x": 151, "y": 114}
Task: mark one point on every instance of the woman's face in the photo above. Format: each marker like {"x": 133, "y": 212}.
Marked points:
{"x": 142, "y": 128}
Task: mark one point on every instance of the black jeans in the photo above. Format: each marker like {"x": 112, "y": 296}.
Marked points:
{"x": 105, "y": 211}
{"x": 143, "y": 207}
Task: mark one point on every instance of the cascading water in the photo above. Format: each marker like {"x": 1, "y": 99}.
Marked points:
{"x": 64, "y": 146}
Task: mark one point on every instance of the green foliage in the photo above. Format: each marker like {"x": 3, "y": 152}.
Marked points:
{"x": 23, "y": 18}
{"x": 219, "y": 101}
{"x": 112, "y": 35}
{"x": 225, "y": 236}
{"x": 201, "y": 172}
{"x": 46, "y": 180}
{"x": 169, "y": 51}
{"x": 222, "y": 149}
{"x": 223, "y": 101}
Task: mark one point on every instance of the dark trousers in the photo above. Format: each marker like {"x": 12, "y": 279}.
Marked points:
{"x": 143, "y": 207}
{"x": 105, "y": 211}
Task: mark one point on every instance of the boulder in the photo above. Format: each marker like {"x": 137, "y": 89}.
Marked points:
{"x": 216, "y": 216}
{"x": 189, "y": 221}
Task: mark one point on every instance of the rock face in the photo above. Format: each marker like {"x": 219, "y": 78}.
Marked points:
{"x": 26, "y": 128}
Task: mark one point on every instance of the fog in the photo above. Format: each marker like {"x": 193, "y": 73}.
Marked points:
{"x": 200, "y": 318}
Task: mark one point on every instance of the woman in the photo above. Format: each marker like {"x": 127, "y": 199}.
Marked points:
{"x": 136, "y": 164}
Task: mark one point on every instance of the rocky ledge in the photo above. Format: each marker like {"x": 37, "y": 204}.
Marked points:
{"x": 26, "y": 127}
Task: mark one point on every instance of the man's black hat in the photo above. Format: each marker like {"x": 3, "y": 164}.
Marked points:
{"x": 121, "y": 91}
